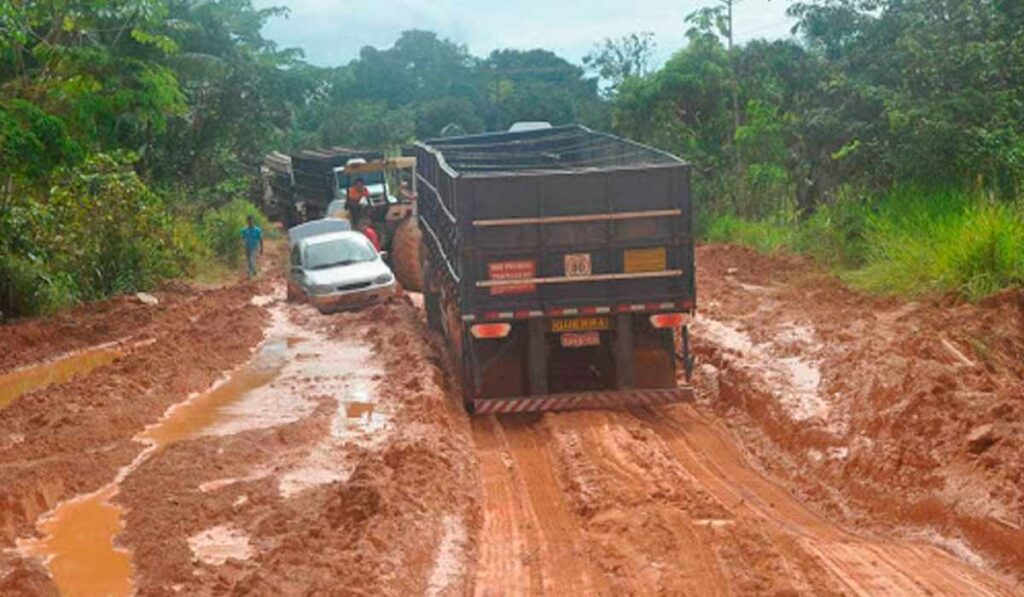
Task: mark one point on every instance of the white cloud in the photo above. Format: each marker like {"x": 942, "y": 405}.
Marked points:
{"x": 331, "y": 32}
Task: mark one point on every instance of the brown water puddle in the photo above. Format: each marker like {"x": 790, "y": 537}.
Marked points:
{"x": 22, "y": 381}
{"x": 78, "y": 536}
{"x": 79, "y": 544}
{"x": 361, "y": 418}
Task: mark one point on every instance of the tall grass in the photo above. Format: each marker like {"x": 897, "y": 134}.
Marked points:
{"x": 942, "y": 242}
{"x": 766, "y": 236}
{"x": 911, "y": 242}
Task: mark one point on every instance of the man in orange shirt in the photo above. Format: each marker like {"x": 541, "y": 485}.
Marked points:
{"x": 356, "y": 193}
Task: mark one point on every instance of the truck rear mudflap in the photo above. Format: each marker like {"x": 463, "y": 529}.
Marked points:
{"x": 581, "y": 401}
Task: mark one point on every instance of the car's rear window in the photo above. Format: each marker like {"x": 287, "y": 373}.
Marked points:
{"x": 345, "y": 251}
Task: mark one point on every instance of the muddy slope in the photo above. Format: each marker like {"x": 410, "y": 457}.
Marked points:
{"x": 881, "y": 412}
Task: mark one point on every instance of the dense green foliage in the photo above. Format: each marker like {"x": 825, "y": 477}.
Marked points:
{"x": 423, "y": 84}
{"x": 119, "y": 123}
{"x": 887, "y": 140}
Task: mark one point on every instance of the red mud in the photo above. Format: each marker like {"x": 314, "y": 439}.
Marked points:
{"x": 378, "y": 531}
{"x": 71, "y": 438}
{"x": 923, "y": 403}
{"x": 355, "y": 471}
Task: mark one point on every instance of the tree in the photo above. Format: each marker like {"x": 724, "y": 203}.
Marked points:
{"x": 615, "y": 60}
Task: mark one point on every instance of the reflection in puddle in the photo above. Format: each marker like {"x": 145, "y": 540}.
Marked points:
{"x": 35, "y": 377}
{"x": 191, "y": 418}
{"x": 359, "y": 418}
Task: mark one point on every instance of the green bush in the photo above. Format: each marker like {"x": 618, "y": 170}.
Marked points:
{"x": 99, "y": 232}
{"x": 27, "y": 286}
{"x": 835, "y": 235}
{"x": 910, "y": 242}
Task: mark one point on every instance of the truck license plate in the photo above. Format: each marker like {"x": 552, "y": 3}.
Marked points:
{"x": 581, "y": 339}
{"x": 581, "y": 324}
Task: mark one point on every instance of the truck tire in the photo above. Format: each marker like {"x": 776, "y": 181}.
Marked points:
{"x": 654, "y": 360}
{"x": 431, "y": 293}
{"x": 405, "y": 255}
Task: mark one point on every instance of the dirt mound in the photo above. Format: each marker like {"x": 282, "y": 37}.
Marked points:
{"x": 31, "y": 340}
{"x": 907, "y": 412}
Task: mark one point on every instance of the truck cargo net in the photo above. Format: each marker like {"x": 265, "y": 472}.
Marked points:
{"x": 559, "y": 148}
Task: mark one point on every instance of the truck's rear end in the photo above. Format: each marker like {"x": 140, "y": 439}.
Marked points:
{"x": 559, "y": 263}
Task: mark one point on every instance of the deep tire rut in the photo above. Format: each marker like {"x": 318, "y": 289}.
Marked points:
{"x": 664, "y": 501}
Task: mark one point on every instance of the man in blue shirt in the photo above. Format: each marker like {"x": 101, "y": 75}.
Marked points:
{"x": 253, "y": 236}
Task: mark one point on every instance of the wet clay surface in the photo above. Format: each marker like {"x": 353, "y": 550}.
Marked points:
{"x": 370, "y": 488}
{"x": 312, "y": 454}
{"x": 72, "y": 438}
{"x": 886, "y": 414}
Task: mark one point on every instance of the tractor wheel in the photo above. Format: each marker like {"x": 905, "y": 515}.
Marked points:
{"x": 405, "y": 255}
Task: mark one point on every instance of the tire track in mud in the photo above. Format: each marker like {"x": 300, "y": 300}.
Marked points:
{"x": 530, "y": 543}
{"x": 662, "y": 501}
{"x": 862, "y": 565}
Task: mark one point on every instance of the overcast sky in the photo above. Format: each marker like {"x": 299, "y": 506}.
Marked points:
{"x": 331, "y": 32}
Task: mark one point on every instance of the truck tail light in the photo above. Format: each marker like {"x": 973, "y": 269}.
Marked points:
{"x": 668, "y": 320}
{"x": 486, "y": 331}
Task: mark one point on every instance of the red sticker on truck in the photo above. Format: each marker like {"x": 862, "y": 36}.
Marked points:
{"x": 508, "y": 271}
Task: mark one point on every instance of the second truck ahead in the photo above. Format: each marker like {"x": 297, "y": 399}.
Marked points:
{"x": 313, "y": 184}
{"x": 559, "y": 264}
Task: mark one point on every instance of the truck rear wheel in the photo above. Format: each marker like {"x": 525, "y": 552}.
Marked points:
{"x": 431, "y": 293}
{"x": 654, "y": 360}
{"x": 405, "y": 255}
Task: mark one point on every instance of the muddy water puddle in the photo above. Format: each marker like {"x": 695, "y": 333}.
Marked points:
{"x": 75, "y": 545}
{"x": 78, "y": 537}
{"x": 35, "y": 377}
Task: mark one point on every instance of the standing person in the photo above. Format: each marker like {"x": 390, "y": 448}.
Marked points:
{"x": 356, "y": 193}
{"x": 369, "y": 233}
{"x": 253, "y": 236}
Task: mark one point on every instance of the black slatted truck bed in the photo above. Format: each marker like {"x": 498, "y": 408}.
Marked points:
{"x": 559, "y": 264}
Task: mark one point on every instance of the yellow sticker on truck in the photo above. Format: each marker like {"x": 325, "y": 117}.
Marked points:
{"x": 635, "y": 261}
{"x": 581, "y": 324}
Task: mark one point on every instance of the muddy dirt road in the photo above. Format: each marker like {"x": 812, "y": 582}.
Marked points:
{"x": 225, "y": 441}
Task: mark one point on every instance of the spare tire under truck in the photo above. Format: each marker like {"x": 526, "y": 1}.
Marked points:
{"x": 559, "y": 265}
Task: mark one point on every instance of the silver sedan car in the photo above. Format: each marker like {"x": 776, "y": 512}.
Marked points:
{"x": 338, "y": 270}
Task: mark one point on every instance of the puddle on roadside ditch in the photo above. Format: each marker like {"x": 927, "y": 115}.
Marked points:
{"x": 78, "y": 536}
{"x": 34, "y": 377}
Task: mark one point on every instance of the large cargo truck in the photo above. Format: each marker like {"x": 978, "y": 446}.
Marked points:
{"x": 559, "y": 265}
